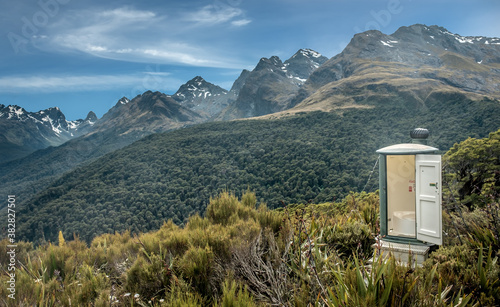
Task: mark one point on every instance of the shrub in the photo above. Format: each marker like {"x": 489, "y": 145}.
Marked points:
{"x": 197, "y": 222}
{"x": 234, "y": 295}
{"x": 221, "y": 208}
{"x": 349, "y": 237}
{"x": 196, "y": 267}
{"x": 149, "y": 276}
{"x": 467, "y": 268}
{"x": 89, "y": 285}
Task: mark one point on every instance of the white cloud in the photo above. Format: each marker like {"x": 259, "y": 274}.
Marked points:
{"x": 241, "y": 22}
{"x": 127, "y": 14}
{"x": 97, "y": 48}
{"x": 157, "y": 73}
{"x": 142, "y": 36}
{"x": 49, "y": 84}
{"x": 212, "y": 14}
{"x": 124, "y": 50}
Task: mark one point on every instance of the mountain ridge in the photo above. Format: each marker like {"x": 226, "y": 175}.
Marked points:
{"x": 125, "y": 123}
{"x": 412, "y": 63}
{"x": 272, "y": 84}
{"x": 201, "y": 96}
{"x": 24, "y": 132}
{"x": 205, "y": 100}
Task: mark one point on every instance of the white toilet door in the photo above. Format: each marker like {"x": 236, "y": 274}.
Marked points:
{"x": 428, "y": 194}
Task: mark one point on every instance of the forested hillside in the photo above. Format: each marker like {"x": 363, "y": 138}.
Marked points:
{"x": 316, "y": 157}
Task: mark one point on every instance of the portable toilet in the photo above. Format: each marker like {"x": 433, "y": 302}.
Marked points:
{"x": 410, "y": 198}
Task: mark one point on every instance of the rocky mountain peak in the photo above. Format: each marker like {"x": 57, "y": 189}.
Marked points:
{"x": 275, "y": 60}
{"x": 197, "y": 87}
{"x": 303, "y": 63}
{"x": 13, "y": 112}
{"x": 29, "y": 131}
{"x": 123, "y": 100}
{"x": 146, "y": 113}
{"x": 420, "y": 33}
{"x": 52, "y": 116}
{"x": 271, "y": 64}
{"x": 308, "y": 53}
{"x": 54, "y": 113}
{"x": 238, "y": 84}
{"x": 198, "y": 80}
{"x": 419, "y": 45}
{"x": 91, "y": 117}
{"x": 272, "y": 84}
{"x": 201, "y": 96}
{"x": 406, "y": 62}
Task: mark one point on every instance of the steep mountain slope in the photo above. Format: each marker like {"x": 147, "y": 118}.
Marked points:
{"x": 23, "y": 132}
{"x": 201, "y": 96}
{"x": 315, "y": 156}
{"x": 239, "y": 83}
{"x": 303, "y": 63}
{"x": 126, "y": 122}
{"x": 233, "y": 94}
{"x": 414, "y": 64}
{"x": 145, "y": 114}
{"x": 272, "y": 84}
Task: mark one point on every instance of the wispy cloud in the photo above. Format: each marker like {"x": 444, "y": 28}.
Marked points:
{"x": 241, "y": 22}
{"x": 211, "y": 15}
{"x": 50, "y": 84}
{"x": 127, "y": 14}
{"x": 132, "y": 35}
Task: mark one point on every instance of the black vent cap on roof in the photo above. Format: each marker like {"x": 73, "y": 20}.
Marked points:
{"x": 419, "y": 133}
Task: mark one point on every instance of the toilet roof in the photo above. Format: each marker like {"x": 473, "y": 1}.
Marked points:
{"x": 404, "y": 149}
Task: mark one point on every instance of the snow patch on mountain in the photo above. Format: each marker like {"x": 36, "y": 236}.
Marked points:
{"x": 471, "y": 39}
{"x": 124, "y": 100}
{"x": 201, "y": 96}
{"x": 51, "y": 118}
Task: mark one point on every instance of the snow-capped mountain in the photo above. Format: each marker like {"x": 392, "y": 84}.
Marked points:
{"x": 24, "y": 132}
{"x": 303, "y": 63}
{"x": 272, "y": 84}
{"x": 147, "y": 113}
{"x": 122, "y": 101}
{"x": 417, "y": 65}
{"x": 201, "y": 96}
{"x": 51, "y": 118}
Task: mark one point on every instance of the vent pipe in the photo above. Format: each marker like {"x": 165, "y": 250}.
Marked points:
{"x": 419, "y": 136}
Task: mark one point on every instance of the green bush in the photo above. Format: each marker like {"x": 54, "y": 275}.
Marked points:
{"x": 221, "y": 208}
{"x": 469, "y": 269}
{"x": 234, "y": 295}
{"x": 348, "y": 238}
{"x": 196, "y": 267}
{"x": 149, "y": 276}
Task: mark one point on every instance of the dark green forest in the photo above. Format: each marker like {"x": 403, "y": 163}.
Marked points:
{"x": 315, "y": 157}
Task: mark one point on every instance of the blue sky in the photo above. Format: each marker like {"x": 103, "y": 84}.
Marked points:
{"x": 85, "y": 55}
